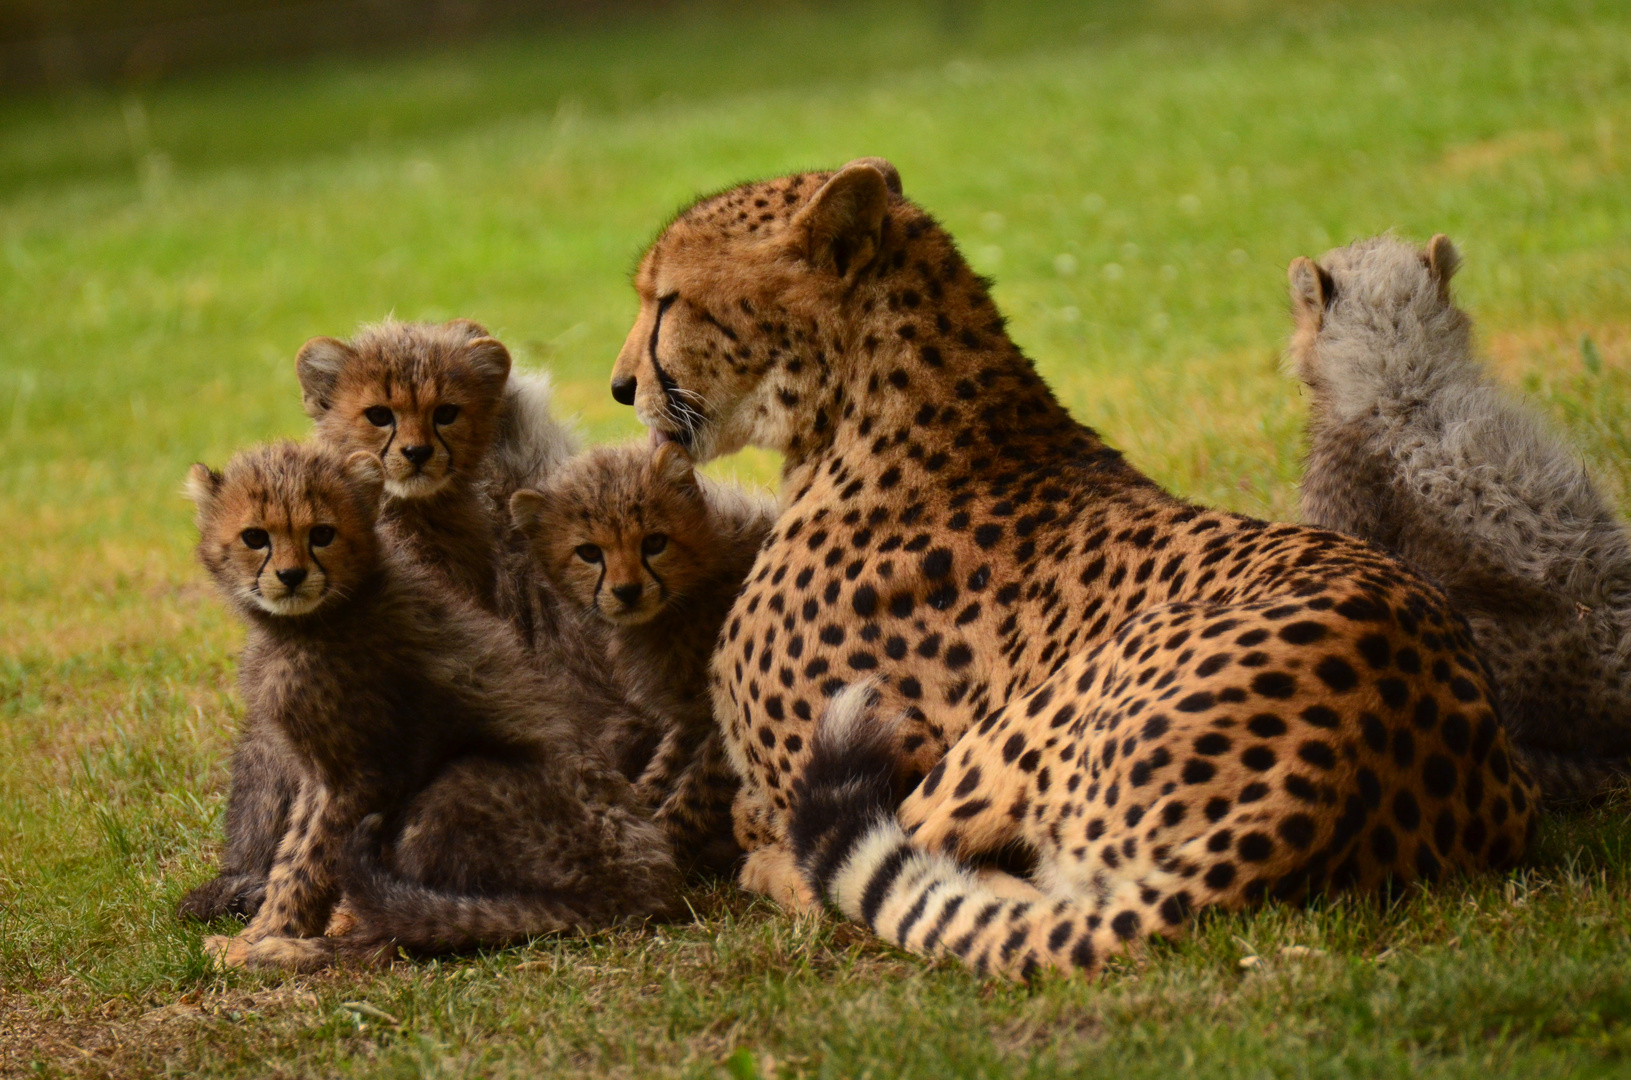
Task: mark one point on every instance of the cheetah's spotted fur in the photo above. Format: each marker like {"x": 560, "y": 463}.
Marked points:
{"x": 1167, "y": 706}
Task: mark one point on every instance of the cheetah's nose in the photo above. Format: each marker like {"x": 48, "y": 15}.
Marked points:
{"x": 629, "y": 594}
{"x": 623, "y": 389}
{"x": 292, "y": 577}
{"x": 417, "y": 454}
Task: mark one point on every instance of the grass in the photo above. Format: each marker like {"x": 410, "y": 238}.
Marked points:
{"x": 1135, "y": 176}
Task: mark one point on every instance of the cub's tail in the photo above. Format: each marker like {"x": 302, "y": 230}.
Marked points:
{"x": 392, "y": 911}
{"x": 1570, "y": 779}
{"x": 853, "y": 851}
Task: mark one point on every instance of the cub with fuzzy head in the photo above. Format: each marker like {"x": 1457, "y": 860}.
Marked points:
{"x": 455, "y": 432}
{"x": 1413, "y": 446}
{"x": 632, "y": 535}
{"x": 425, "y": 741}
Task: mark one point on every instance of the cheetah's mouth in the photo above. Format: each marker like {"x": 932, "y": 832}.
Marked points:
{"x": 680, "y": 404}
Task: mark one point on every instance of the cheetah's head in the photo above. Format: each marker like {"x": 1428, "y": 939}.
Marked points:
{"x": 423, "y": 398}
{"x": 287, "y": 529}
{"x": 621, "y": 530}
{"x": 1363, "y": 310}
{"x": 741, "y": 286}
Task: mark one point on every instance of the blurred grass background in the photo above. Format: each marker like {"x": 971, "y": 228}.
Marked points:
{"x": 1135, "y": 176}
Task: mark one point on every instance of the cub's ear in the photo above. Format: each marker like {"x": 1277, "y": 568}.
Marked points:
{"x": 202, "y": 484}
{"x": 490, "y": 360}
{"x": 527, "y": 508}
{"x": 1443, "y": 260}
{"x": 841, "y": 228}
{"x": 367, "y": 478}
{"x": 467, "y": 329}
{"x": 671, "y": 465}
{"x": 319, "y": 365}
{"x": 1312, "y": 291}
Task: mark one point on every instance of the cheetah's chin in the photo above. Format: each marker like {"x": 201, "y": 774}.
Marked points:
{"x": 416, "y": 486}
{"x": 301, "y": 603}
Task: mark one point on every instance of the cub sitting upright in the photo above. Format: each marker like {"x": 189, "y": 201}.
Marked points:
{"x": 413, "y": 720}
{"x": 456, "y": 431}
{"x": 634, "y": 536}
{"x": 437, "y": 406}
{"x": 1410, "y": 444}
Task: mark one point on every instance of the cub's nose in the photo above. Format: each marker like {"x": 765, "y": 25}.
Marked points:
{"x": 417, "y": 454}
{"x": 629, "y": 594}
{"x": 292, "y": 577}
{"x": 623, "y": 389}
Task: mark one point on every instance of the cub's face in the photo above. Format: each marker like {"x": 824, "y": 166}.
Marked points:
{"x": 621, "y": 531}
{"x": 287, "y": 529}
{"x": 738, "y": 298}
{"x": 423, "y": 399}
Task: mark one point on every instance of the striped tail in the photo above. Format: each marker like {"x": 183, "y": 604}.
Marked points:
{"x": 1570, "y": 779}
{"x": 853, "y": 851}
{"x": 392, "y": 911}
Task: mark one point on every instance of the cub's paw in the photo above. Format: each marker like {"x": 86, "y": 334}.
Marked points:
{"x": 227, "y": 952}
{"x": 341, "y": 921}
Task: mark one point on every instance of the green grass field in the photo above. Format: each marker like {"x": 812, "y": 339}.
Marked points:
{"x": 1135, "y": 176}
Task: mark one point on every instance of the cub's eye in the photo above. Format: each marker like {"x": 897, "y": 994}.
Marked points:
{"x": 445, "y": 414}
{"x": 588, "y": 552}
{"x": 255, "y": 539}
{"x": 654, "y": 543}
{"x": 379, "y": 415}
{"x": 322, "y": 535}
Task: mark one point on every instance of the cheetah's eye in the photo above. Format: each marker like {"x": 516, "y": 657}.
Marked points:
{"x": 379, "y": 415}
{"x": 255, "y": 539}
{"x": 589, "y": 552}
{"x": 445, "y": 414}
{"x": 322, "y": 535}
{"x": 654, "y": 543}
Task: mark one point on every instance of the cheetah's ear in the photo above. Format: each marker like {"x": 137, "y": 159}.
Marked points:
{"x": 468, "y": 329}
{"x": 367, "y": 478}
{"x": 1312, "y": 291}
{"x": 319, "y": 365}
{"x": 841, "y": 228}
{"x": 671, "y": 465}
{"x": 527, "y": 508}
{"x": 1443, "y": 260}
{"x": 490, "y": 360}
{"x": 202, "y": 484}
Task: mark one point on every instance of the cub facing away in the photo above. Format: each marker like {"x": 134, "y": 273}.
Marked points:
{"x": 439, "y": 782}
{"x": 634, "y": 537}
{"x": 1413, "y": 446}
{"x": 455, "y": 431}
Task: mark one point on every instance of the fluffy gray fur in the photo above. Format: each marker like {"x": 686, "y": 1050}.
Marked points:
{"x": 1413, "y": 446}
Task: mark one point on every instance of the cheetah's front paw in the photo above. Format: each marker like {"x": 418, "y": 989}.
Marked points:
{"x": 772, "y": 871}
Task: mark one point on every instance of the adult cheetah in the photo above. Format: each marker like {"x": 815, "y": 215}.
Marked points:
{"x": 1164, "y": 706}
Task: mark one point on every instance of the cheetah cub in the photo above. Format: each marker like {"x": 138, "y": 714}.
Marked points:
{"x": 455, "y": 431}
{"x": 636, "y": 539}
{"x": 440, "y": 786}
{"x": 454, "y": 434}
{"x": 1413, "y": 446}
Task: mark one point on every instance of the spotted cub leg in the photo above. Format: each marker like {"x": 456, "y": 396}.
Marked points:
{"x": 300, "y": 891}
